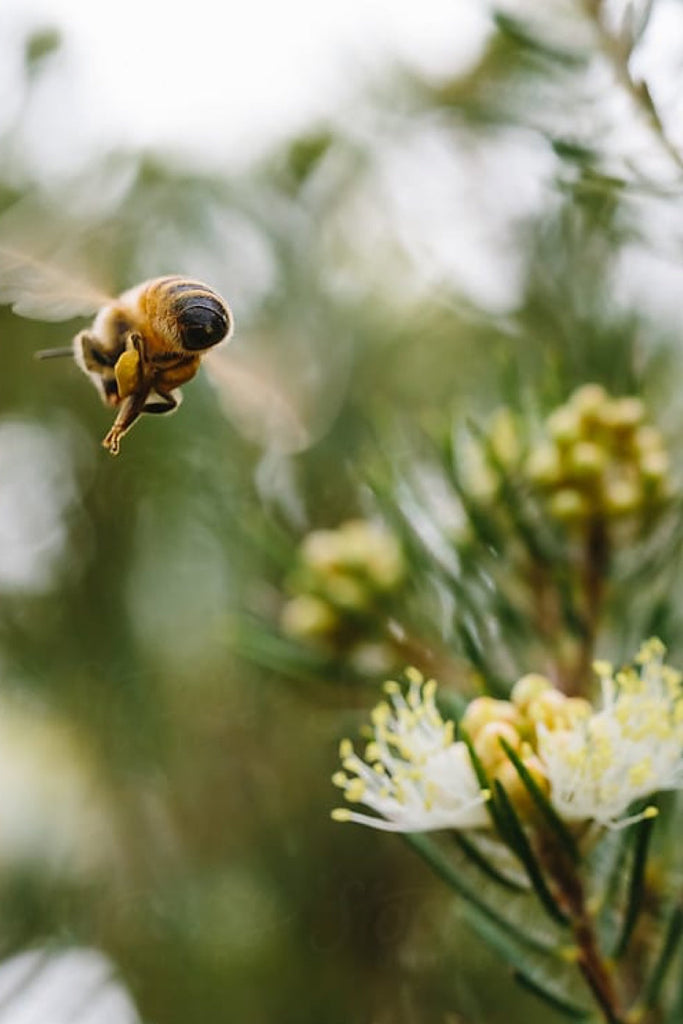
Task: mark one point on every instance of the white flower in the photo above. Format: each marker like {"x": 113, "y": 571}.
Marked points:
{"x": 630, "y": 749}
{"x": 414, "y": 776}
{"x": 63, "y": 986}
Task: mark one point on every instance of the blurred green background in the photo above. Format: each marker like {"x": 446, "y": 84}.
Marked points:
{"x": 164, "y": 755}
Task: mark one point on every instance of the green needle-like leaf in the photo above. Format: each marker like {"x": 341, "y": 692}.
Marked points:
{"x": 643, "y": 834}
{"x": 484, "y": 864}
{"x": 545, "y": 807}
{"x": 556, "y": 1002}
{"x": 522, "y": 847}
{"x": 669, "y": 946}
{"x": 446, "y": 871}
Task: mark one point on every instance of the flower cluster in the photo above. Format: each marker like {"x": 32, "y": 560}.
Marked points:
{"x": 599, "y": 459}
{"x": 592, "y": 764}
{"x": 342, "y": 582}
{"x": 413, "y": 774}
{"x": 629, "y": 749}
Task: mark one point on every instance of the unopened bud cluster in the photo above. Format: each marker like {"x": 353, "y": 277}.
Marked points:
{"x": 600, "y": 459}
{"x": 534, "y": 702}
{"x": 342, "y": 583}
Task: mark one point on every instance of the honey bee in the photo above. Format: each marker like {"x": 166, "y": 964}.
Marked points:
{"x": 145, "y": 344}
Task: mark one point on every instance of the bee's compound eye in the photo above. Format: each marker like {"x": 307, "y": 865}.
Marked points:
{"x": 203, "y": 322}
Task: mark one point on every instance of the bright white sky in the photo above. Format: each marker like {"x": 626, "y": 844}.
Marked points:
{"x": 220, "y": 79}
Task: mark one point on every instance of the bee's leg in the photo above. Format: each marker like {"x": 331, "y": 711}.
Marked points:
{"x": 94, "y": 357}
{"x": 98, "y": 363}
{"x": 163, "y": 401}
{"x": 130, "y": 410}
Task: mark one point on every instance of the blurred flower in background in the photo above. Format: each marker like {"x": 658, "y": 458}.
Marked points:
{"x": 76, "y": 985}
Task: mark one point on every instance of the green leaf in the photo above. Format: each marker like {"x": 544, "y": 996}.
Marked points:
{"x": 519, "y": 33}
{"x": 551, "y": 816}
{"x": 672, "y": 937}
{"x": 605, "y": 867}
{"x": 472, "y": 851}
{"x": 522, "y": 847}
{"x": 643, "y": 833}
{"x": 552, "y": 999}
{"x": 468, "y": 890}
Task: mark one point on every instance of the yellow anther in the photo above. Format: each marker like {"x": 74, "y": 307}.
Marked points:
{"x": 640, "y": 773}
{"x": 341, "y": 814}
{"x": 355, "y": 791}
{"x": 380, "y": 714}
{"x": 345, "y": 749}
{"x": 650, "y": 650}
{"x": 340, "y": 779}
{"x": 413, "y": 675}
{"x": 372, "y": 752}
{"x": 429, "y": 689}
{"x": 577, "y": 709}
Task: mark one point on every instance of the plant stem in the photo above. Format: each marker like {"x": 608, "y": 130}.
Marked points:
{"x": 591, "y": 961}
{"x": 593, "y": 579}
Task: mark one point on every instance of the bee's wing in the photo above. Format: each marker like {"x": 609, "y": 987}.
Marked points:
{"x": 42, "y": 290}
{"x": 43, "y": 261}
{"x": 260, "y": 409}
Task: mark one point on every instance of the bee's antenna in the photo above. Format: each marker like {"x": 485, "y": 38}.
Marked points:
{"x": 54, "y": 353}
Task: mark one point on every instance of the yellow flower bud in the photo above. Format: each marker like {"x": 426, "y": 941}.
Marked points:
{"x": 648, "y": 439}
{"x": 372, "y": 550}
{"x": 308, "y": 617}
{"x": 488, "y": 746}
{"x": 563, "y": 425}
{"x": 623, "y": 414}
{"x": 544, "y": 466}
{"x": 320, "y": 550}
{"x": 588, "y": 400}
{"x": 587, "y": 459}
{"x": 347, "y": 593}
{"x": 483, "y": 710}
{"x": 569, "y": 505}
{"x": 527, "y": 689}
{"x": 654, "y": 466}
{"x": 373, "y": 659}
{"x": 548, "y": 709}
{"x": 622, "y": 497}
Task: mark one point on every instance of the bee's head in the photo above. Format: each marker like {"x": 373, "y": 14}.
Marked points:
{"x": 203, "y": 321}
